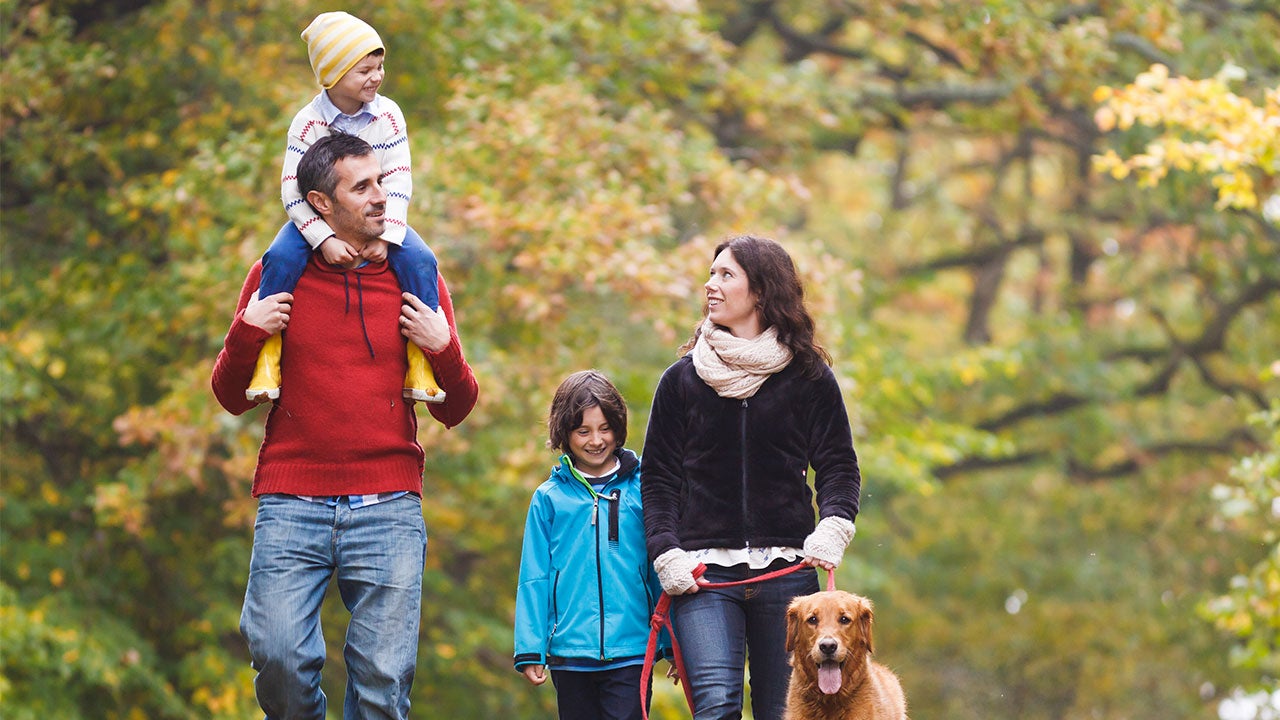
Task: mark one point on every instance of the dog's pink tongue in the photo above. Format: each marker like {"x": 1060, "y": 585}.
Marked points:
{"x": 829, "y": 677}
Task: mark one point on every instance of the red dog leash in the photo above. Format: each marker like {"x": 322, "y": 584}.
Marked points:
{"x": 662, "y": 619}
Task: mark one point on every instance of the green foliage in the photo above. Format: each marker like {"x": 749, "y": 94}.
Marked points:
{"x": 1031, "y": 597}
{"x": 1250, "y": 507}
{"x": 1207, "y": 130}
{"x": 65, "y": 662}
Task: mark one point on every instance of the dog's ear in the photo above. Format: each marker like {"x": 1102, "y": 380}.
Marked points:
{"x": 793, "y": 625}
{"x": 864, "y": 624}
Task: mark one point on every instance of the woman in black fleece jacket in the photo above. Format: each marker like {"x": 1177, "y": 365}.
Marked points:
{"x": 735, "y": 426}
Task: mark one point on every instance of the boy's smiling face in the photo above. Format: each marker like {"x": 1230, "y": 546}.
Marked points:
{"x": 592, "y": 443}
{"x": 359, "y": 85}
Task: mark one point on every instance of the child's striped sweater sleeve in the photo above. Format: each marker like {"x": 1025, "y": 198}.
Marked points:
{"x": 307, "y": 127}
{"x": 390, "y": 140}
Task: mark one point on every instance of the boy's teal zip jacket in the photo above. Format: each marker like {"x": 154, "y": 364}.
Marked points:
{"x": 586, "y": 587}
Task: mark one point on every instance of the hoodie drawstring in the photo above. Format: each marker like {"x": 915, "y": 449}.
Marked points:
{"x": 364, "y": 328}
{"x": 346, "y": 289}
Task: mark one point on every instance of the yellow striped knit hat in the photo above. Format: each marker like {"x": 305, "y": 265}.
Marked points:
{"x": 336, "y": 41}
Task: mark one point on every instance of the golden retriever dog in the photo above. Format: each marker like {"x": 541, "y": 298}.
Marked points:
{"x": 832, "y": 675}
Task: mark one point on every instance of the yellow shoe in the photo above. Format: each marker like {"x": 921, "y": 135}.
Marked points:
{"x": 265, "y": 385}
{"x": 420, "y": 382}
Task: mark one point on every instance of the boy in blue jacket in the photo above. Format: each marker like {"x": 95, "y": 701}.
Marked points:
{"x": 587, "y": 589}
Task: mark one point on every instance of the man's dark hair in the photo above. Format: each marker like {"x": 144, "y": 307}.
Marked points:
{"x": 316, "y": 168}
{"x": 578, "y": 393}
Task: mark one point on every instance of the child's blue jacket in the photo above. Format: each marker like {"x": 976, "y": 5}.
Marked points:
{"x": 586, "y": 589}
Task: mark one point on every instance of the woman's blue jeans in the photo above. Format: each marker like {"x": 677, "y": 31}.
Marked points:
{"x": 722, "y": 630}
{"x": 377, "y": 553}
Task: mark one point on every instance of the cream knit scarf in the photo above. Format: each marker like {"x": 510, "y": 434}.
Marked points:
{"x": 734, "y": 367}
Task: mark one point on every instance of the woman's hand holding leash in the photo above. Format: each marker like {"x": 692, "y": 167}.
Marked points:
{"x": 825, "y": 546}
{"x": 675, "y": 571}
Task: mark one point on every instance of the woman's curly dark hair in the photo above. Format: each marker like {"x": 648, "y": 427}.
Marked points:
{"x": 772, "y": 276}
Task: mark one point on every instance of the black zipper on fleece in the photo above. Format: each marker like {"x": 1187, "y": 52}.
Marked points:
{"x": 746, "y": 513}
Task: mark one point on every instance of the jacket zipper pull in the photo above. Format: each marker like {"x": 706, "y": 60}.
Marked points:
{"x": 613, "y": 517}
{"x": 595, "y": 510}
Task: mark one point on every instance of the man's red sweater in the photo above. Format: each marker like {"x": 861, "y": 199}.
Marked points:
{"x": 340, "y": 426}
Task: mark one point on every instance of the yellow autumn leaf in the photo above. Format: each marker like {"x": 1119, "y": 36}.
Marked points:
{"x": 1105, "y": 118}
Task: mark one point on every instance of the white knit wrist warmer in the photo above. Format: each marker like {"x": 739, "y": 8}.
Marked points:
{"x": 828, "y": 541}
{"x": 675, "y": 571}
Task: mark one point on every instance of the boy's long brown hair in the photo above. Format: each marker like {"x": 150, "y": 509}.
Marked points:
{"x": 579, "y": 392}
{"x": 772, "y": 276}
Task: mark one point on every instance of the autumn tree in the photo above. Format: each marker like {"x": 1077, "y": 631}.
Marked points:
{"x": 1039, "y": 336}
{"x": 1207, "y": 130}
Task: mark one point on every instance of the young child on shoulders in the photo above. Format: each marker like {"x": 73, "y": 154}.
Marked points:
{"x": 346, "y": 56}
{"x": 587, "y": 589}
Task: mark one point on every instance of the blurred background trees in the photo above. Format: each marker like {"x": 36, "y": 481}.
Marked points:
{"x": 1041, "y": 240}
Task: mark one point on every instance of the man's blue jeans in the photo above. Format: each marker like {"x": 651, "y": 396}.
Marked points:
{"x": 721, "y": 629}
{"x": 377, "y": 553}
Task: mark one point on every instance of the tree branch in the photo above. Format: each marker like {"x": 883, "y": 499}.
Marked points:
{"x": 742, "y": 26}
{"x": 1082, "y": 471}
{"x": 977, "y": 256}
{"x": 974, "y": 464}
{"x": 1227, "y": 445}
{"x": 800, "y": 45}
{"x": 946, "y": 56}
{"x": 1144, "y": 48}
{"x": 1215, "y": 11}
{"x": 1211, "y": 340}
{"x": 1272, "y": 232}
{"x": 1055, "y": 404}
{"x": 1226, "y": 387}
{"x": 939, "y": 96}
{"x": 1074, "y": 12}
{"x": 1212, "y": 337}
